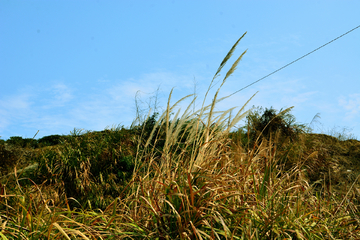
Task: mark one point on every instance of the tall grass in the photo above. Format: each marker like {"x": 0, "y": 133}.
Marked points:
{"x": 189, "y": 180}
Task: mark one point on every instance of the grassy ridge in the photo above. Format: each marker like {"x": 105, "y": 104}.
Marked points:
{"x": 186, "y": 176}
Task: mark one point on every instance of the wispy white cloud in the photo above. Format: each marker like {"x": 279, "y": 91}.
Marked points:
{"x": 30, "y": 109}
{"x": 351, "y": 104}
{"x": 299, "y": 98}
{"x": 56, "y": 95}
{"x": 61, "y": 93}
{"x": 147, "y": 89}
{"x": 57, "y": 110}
{"x": 20, "y": 101}
{"x": 149, "y": 83}
{"x": 14, "y": 108}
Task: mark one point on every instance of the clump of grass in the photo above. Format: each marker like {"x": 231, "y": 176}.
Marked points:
{"x": 189, "y": 180}
{"x": 29, "y": 214}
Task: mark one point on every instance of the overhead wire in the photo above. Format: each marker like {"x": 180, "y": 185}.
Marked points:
{"x": 294, "y": 61}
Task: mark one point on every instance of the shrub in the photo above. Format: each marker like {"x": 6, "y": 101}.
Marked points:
{"x": 51, "y": 140}
{"x": 8, "y": 159}
{"x": 266, "y": 123}
{"x": 89, "y": 165}
{"x": 22, "y": 142}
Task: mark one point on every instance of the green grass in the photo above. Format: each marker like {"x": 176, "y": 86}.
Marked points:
{"x": 185, "y": 175}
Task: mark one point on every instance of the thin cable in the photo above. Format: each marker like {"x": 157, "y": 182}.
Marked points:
{"x": 295, "y": 60}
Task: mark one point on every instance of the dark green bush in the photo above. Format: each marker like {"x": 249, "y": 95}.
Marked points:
{"x": 22, "y": 142}
{"x": 8, "y": 159}
{"x": 266, "y": 123}
{"x": 51, "y": 140}
{"x": 89, "y": 165}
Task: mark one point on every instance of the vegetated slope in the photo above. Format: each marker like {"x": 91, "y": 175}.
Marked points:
{"x": 337, "y": 161}
{"x": 334, "y": 162}
{"x": 184, "y": 176}
{"x": 326, "y": 162}
{"x": 84, "y": 165}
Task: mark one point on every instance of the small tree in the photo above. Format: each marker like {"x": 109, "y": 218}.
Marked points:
{"x": 264, "y": 123}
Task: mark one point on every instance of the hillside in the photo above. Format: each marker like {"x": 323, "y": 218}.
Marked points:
{"x": 333, "y": 161}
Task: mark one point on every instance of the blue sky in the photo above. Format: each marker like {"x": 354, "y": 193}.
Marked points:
{"x": 78, "y": 64}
